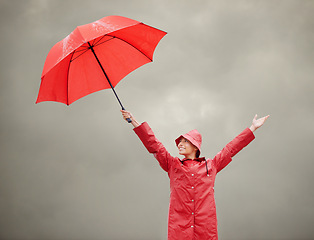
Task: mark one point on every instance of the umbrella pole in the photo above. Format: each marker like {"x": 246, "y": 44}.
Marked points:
{"x": 103, "y": 70}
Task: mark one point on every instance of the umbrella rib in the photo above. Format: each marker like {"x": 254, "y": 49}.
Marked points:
{"x": 86, "y": 50}
{"x": 132, "y": 46}
{"x": 82, "y": 49}
{"x": 97, "y": 43}
{"x": 94, "y": 40}
{"x": 68, "y": 79}
{"x": 94, "y": 44}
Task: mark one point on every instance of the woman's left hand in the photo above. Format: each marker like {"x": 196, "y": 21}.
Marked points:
{"x": 257, "y": 123}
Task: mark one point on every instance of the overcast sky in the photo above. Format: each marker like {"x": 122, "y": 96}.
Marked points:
{"x": 79, "y": 171}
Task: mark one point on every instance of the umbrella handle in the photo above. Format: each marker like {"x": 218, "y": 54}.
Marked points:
{"x": 128, "y": 119}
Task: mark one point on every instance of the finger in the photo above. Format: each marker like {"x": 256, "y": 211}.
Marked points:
{"x": 127, "y": 115}
{"x": 124, "y": 111}
{"x": 265, "y": 118}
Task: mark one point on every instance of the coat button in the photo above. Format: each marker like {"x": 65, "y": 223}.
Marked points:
{"x": 192, "y": 213}
{"x": 192, "y": 200}
{"x": 192, "y": 187}
{"x": 192, "y": 226}
{"x": 192, "y": 174}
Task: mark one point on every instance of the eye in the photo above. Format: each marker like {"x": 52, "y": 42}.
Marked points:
{"x": 183, "y": 140}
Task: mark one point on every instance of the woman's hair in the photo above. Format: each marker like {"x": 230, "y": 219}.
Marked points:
{"x": 198, "y": 153}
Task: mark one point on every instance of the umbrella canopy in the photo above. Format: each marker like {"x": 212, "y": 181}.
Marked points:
{"x": 96, "y": 56}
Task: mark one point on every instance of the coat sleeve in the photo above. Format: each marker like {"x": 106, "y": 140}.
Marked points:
{"x": 224, "y": 157}
{"x": 154, "y": 146}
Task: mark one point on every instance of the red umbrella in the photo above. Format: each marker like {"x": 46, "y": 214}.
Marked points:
{"x": 96, "y": 56}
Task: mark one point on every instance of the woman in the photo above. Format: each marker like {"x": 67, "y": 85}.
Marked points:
{"x": 192, "y": 209}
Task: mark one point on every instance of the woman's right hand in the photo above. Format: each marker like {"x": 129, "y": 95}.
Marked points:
{"x": 127, "y": 114}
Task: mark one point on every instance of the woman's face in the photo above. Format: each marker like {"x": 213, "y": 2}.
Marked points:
{"x": 186, "y": 148}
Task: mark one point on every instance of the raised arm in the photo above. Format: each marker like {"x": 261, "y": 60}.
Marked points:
{"x": 151, "y": 143}
{"x": 224, "y": 157}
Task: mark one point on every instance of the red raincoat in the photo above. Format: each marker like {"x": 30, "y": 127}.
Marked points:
{"x": 192, "y": 209}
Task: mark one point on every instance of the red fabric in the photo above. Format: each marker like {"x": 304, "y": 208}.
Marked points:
{"x": 71, "y": 71}
{"x": 192, "y": 209}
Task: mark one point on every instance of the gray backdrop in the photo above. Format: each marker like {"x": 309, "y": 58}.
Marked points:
{"x": 79, "y": 172}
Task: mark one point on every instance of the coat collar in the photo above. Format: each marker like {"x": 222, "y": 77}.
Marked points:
{"x": 195, "y": 159}
{"x": 198, "y": 160}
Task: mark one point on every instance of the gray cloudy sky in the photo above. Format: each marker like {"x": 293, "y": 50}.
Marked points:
{"x": 79, "y": 172}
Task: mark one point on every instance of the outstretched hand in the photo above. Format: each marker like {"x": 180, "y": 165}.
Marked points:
{"x": 257, "y": 123}
{"x": 126, "y": 115}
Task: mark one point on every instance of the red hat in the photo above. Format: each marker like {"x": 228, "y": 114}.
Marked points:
{"x": 194, "y": 137}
